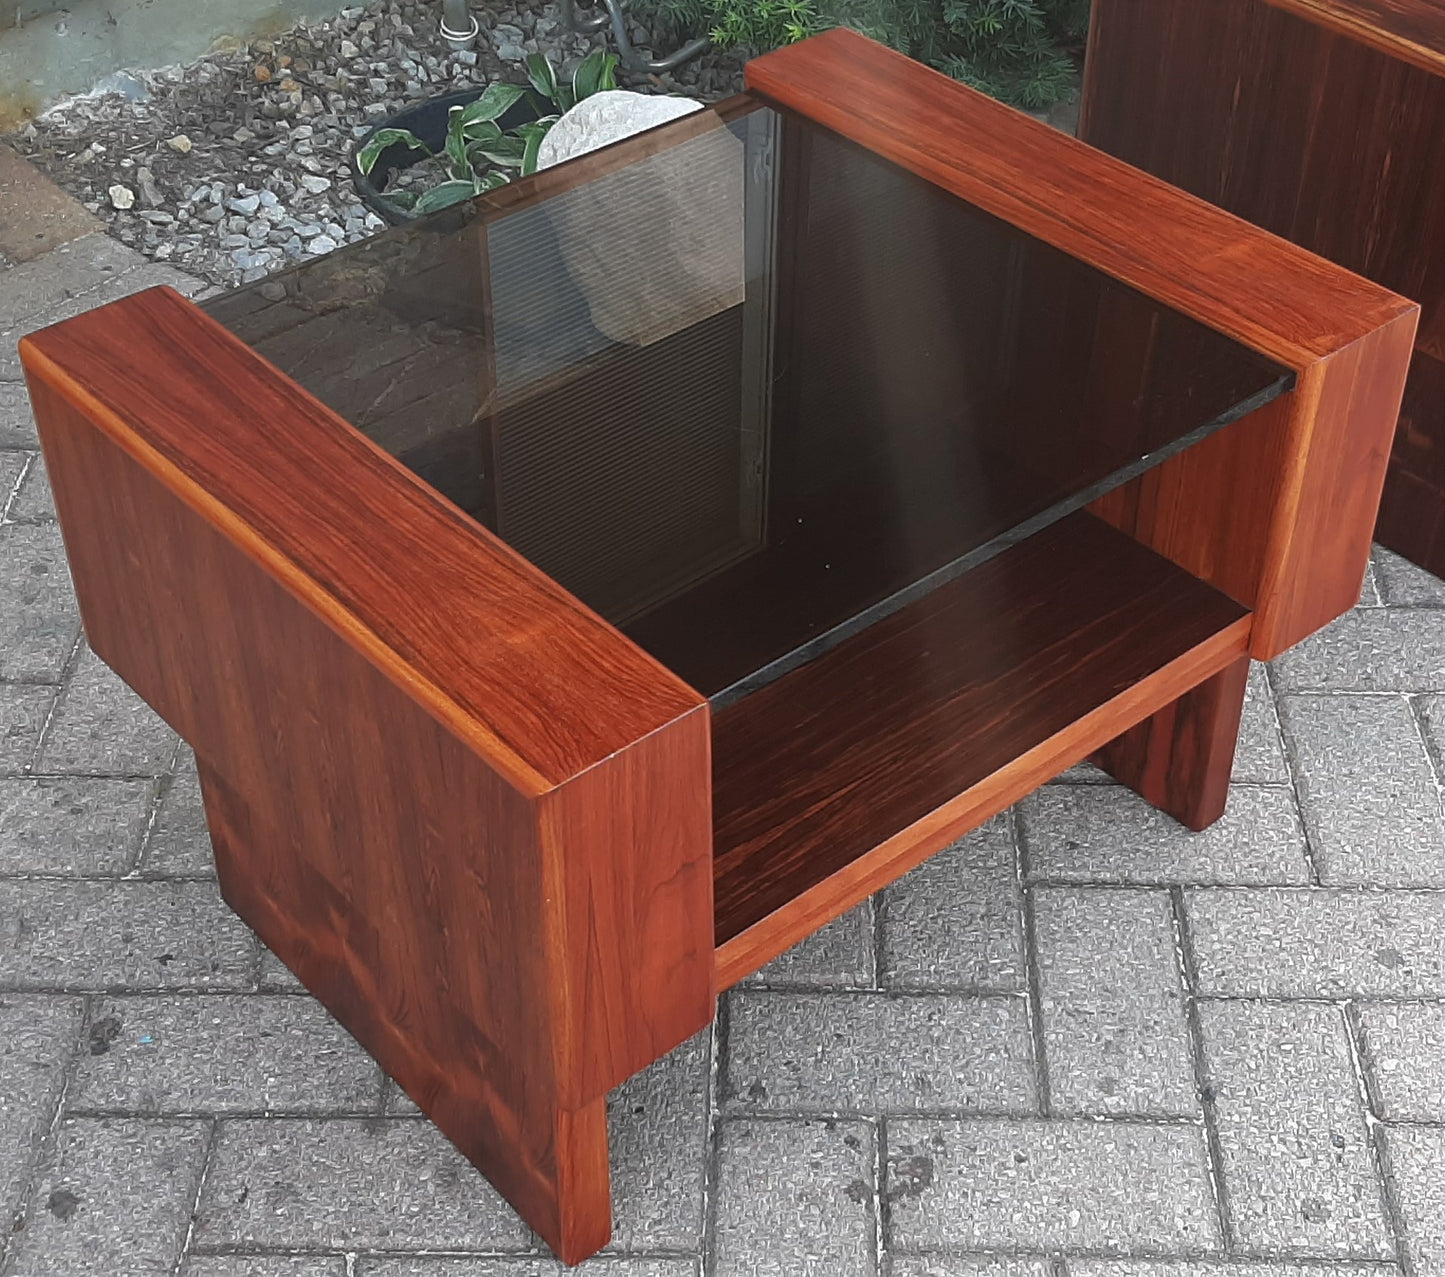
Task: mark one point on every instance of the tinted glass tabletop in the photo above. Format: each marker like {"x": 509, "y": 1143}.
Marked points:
{"x": 743, "y": 387}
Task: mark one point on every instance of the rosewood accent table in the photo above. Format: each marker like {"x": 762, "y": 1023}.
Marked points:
{"x": 565, "y": 627}
{"x": 1320, "y": 120}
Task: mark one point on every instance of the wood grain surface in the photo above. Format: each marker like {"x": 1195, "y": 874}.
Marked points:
{"x": 844, "y": 774}
{"x": 1317, "y": 135}
{"x": 502, "y": 897}
{"x": 1411, "y": 31}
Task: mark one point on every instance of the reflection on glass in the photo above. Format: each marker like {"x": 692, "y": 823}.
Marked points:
{"x": 743, "y": 387}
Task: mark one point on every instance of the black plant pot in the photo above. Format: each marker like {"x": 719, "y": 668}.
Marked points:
{"x": 428, "y": 121}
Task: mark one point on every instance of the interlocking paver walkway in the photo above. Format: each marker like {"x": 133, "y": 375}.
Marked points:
{"x": 1081, "y": 1043}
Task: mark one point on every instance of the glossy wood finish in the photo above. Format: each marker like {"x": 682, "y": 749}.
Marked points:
{"x": 1315, "y": 121}
{"x": 846, "y": 773}
{"x": 1283, "y": 526}
{"x": 1180, "y": 758}
{"x": 1411, "y": 31}
{"x": 471, "y": 816}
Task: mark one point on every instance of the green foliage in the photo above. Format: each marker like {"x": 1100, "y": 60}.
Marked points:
{"x": 478, "y": 153}
{"x": 1016, "y": 50}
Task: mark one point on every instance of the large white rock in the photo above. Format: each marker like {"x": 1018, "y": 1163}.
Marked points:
{"x": 656, "y": 245}
{"x": 605, "y": 118}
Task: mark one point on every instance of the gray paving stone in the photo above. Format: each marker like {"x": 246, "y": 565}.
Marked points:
{"x": 1404, "y": 1050}
{"x": 102, "y": 290}
{"x": 875, "y": 1053}
{"x": 396, "y": 1102}
{"x": 1115, "y": 1034}
{"x": 1369, "y": 650}
{"x": 795, "y": 1199}
{"x": 127, "y": 934}
{"x": 1297, "y": 1162}
{"x": 23, "y": 707}
{"x": 348, "y": 1184}
{"x": 1404, "y": 583}
{"x": 956, "y": 922}
{"x": 276, "y": 976}
{"x": 1432, "y": 716}
{"x": 966, "y": 1266}
{"x": 1291, "y": 943}
{"x": 34, "y": 503}
{"x": 17, "y": 426}
{"x": 221, "y": 1054}
{"x": 115, "y": 1198}
{"x": 839, "y": 955}
{"x": 459, "y": 1266}
{"x": 180, "y": 844}
{"x": 1416, "y": 1157}
{"x": 37, "y": 1038}
{"x": 39, "y": 618}
{"x": 658, "y": 1129}
{"x": 264, "y": 1266}
{"x": 69, "y": 272}
{"x": 1082, "y": 833}
{"x": 1084, "y": 774}
{"x": 1371, "y": 801}
{"x": 72, "y": 824}
{"x": 1370, "y": 586}
{"x": 100, "y": 725}
{"x": 1259, "y": 753}
{"x": 997, "y": 1184}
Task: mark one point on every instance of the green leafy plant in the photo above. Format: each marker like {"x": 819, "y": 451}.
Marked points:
{"x": 478, "y": 154}
{"x": 1017, "y": 50}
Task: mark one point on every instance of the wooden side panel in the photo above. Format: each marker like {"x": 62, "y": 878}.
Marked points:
{"x": 1180, "y": 758}
{"x": 508, "y": 950}
{"x": 1278, "y": 509}
{"x": 1410, "y": 30}
{"x": 1310, "y": 119}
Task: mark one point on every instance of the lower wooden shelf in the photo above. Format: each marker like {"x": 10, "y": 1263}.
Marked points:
{"x": 839, "y": 777}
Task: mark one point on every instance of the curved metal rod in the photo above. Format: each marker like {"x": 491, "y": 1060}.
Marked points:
{"x": 613, "y": 14}
{"x": 578, "y": 23}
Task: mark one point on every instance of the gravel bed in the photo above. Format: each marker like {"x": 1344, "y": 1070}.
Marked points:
{"x": 237, "y": 164}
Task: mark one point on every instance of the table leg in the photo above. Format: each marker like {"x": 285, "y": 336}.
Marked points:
{"x": 1180, "y": 758}
{"x": 549, "y": 1160}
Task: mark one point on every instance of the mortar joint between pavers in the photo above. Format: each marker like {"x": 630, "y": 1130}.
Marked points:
{"x": 206, "y": 1160}
{"x": 1432, "y": 756}
{"x": 874, "y": 905}
{"x": 1033, "y": 980}
{"x": 48, "y": 1143}
{"x": 1375, "y": 1135}
{"x": 712, "y": 1151}
{"x": 164, "y": 783}
{"x": 8, "y": 499}
{"x": 1292, "y": 766}
{"x": 62, "y": 686}
{"x": 1188, "y": 968}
